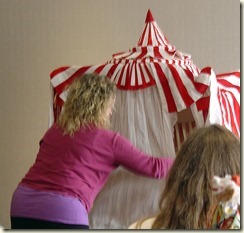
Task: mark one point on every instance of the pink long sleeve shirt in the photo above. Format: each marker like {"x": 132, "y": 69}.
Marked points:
{"x": 79, "y": 166}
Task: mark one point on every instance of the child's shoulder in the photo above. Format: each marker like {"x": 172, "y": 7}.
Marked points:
{"x": 145, "y": 223}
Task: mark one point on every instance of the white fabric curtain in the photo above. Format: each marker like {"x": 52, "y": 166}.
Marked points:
{"x": 139, "y": 116}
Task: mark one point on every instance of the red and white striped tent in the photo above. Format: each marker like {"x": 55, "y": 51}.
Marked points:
{"x": 162, "y": 96}
{"x": 153, "y": 62}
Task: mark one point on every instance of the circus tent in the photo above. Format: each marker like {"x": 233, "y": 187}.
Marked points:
{"x": 162, "y": 96}
{"x": 153, "y": 62}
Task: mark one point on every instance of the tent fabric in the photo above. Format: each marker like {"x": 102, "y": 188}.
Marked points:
{"x": 220, "y": 103}
{"x": 179, "y": 87}
{"x": 229, "y": 99}
{"x": 155, "y": 82}
{"x": 153, "y": 62}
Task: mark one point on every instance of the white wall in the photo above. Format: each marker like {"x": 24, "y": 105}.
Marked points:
{"x": 39, "y": 36}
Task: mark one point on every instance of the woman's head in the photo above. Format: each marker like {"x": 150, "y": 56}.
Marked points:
{"x": 187, "y": 197}
{"x": 89, "y": 101}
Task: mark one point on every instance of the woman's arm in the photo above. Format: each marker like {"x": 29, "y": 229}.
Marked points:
{"x": 130, "y": 157}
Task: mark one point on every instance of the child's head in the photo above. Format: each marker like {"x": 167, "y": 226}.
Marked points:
{"x": 209, "y": 151}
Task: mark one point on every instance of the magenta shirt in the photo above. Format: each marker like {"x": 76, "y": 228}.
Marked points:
{"x": 79, "y": 166}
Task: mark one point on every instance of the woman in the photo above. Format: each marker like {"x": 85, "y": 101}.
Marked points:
{"x": 189, "y": 199}
{"x": 76, "y": 156}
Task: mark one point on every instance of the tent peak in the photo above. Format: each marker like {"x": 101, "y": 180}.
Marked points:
{"x": 149, "y": 17}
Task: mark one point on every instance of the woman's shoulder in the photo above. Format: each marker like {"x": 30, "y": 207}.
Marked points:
{"x": 145, "y": 223}
{"x": 104, "y": 132}
{"x": 101, "y": 134}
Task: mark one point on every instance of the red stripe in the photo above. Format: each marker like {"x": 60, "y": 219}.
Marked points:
{"x": 181, "y": 87}
{"x": 128, "y": 76}
{"x": 60, "y": 88}
{"x": 149, "y": 17}
{"x": 189, "y": 74}
{"x": 203, "y": 103}
{"x": 169, "y": 52}
{"x": 235, "y": 73}
{"x": 234, "y": 116}
{"x": 156, "y": 52}
{"x": 224, "y": 105}
{"x": 237, "y": 110}
{"x": 167, "y": 92}
{"x": 112, "y": 70}
{"x": 200, "y": 87}
{"x": 152, "y": 80}
{"x": 142, "y": 37}
{"x": 120, "y": 77}
{"x": 99, "y": 69}
{"x": 227, "y": 84}
{"x": 58, "y": 70}
{"x": 133, "y": 66}
{"x": 143, "y": 53}
{"x": 233, "y": 110}
{"x": 158, "y": 37}
{"x": 149, "y": 41}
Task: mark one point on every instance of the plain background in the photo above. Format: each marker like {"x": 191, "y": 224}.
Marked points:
{"x": 39, "y": 36}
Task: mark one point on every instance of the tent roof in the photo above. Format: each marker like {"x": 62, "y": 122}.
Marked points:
{"x": 154, "y": 61}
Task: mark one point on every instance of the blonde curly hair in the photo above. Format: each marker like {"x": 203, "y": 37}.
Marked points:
{"x": 89, "y": 97}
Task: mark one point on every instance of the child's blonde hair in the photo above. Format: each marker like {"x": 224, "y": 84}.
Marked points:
{"x": 88, "y": 98}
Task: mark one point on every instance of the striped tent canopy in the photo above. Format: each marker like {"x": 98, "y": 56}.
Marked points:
{"x": 228, "y": 86}
{"x": 153, "y": 62}
{"x": 219, "y": 104}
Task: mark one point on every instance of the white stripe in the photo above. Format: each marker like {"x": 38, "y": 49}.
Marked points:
{"x": 144, "y": 73}
{"x": 164, "y": 54}
{"x": 106, "y": 68}
{"x": 133, "y": 81}
{"x": 124, "y": 75}
{"x": 130, "y": 56}
{"x": 117, "y": 76}
{"x": 159, "y": 87}
{"x": 234, "y": 91}
{"x": 233, "y": 79}
{"x": 63, "y": 76}
{"x": 180, "y": 105}
{"x": 205, "y": 78}
{"x": 231, "y": 103}
{"x": 160, "y": 36}
{"x": 164, "y": 42}
{"x": 153, "y": 37}
{"x": 125, "y": 54}
{"x": 91, "y": 69}
{"x": 223, "y": 109}
{"x": 64, "y": 94}
{"x": 138, "y": 74}
{"x": 195, "y": 95}
{"x": 145, "y": 38}
{"x": 116, "y": 71}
